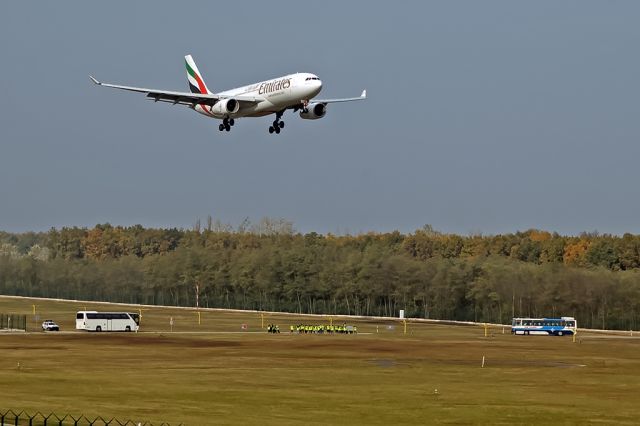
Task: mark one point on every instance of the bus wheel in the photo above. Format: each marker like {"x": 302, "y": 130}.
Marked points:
{"x": 98, "y": 328}
{"x": 559, "y": 333}
{"x": 127, "y": 329}
{"x": 526, "y": 332}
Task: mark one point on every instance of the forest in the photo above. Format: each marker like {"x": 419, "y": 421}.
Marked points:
{"x": 270, "y": 266}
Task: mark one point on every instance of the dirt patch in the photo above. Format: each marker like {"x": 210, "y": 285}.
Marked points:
{"x": 32, "y": 348}
{"x": 163, "y": 340}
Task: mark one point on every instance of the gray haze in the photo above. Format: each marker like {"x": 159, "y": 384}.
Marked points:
{"x": 483, "y": 116}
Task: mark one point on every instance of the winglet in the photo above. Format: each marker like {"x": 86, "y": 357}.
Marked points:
{"x": 95, "y": 81}
{"x": 363, "y": 95}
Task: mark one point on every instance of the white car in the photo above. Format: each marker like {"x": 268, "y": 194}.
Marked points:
{"x": 49, "y": 325}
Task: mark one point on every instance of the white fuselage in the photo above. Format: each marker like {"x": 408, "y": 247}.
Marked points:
{"x": 276, "y": 95}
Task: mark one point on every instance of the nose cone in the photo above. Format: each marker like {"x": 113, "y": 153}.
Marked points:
{"x": 316, "y": 87}
{"x": 310, "y": 86}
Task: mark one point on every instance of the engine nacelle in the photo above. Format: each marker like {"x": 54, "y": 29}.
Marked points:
{"x": 225, "y": 107}
{"x": 314, "y": 111}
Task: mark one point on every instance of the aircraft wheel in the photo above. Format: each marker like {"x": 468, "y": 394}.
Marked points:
{"x": 227, "y": 127}
{"x": 276, "y": 124}
{"x": 271, "y": 130}
{"x": 277, "y": 129}
{"x": 282, "y": 124}
{"x": 232, "y": 122}
{"x": 221, "y": 127}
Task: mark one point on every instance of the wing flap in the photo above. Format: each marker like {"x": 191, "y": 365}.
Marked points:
{"x": 182, "y": 98}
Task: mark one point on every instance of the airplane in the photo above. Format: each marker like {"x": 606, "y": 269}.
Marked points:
{"x": 274, "y": 96}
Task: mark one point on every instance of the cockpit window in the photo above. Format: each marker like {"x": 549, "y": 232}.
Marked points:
{"x": 311, "y": 78}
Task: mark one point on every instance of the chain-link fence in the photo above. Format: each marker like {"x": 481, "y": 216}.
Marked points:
{"x": 21, "y": 418}
{"x": 13, "y": 322}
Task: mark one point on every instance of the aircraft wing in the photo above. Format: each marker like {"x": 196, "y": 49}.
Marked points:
{"x": 181, "y": 98}
{"x": 329, "y": 101}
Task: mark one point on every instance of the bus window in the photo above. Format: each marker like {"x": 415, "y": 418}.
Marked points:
{"x": 136, "y": 317}
{"x": 79, "y": 315}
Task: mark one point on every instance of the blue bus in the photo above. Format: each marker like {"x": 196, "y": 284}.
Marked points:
{"x": 544, "y": 326}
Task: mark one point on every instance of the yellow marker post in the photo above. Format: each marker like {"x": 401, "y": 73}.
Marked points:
{"x": 262, "y": 320}
{"x": 34, "y": 310}
{"x": 199, "y": 318}
{"x": 139, "y": 316}
{"x": 331, "y": 321}
{"x": 405, "y": 326}
{"x": 486, "y": 330}
{"x": 574, "y": 336}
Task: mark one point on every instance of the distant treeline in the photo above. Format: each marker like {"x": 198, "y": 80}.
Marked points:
{"x": 268, "y": 266}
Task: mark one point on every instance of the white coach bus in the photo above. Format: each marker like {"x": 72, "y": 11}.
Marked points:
{"x": 564, "y": 326}
{"x": 107, "y": 321}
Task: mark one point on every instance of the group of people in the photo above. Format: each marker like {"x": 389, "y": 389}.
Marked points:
{"x": 273, "y": 328}
{"x": 315, "y": 329}
{"x": 321, "y": 329}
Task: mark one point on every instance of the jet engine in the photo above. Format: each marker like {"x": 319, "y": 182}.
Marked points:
{"x": 314, "y": 111}
{"x": 226, "y": 106}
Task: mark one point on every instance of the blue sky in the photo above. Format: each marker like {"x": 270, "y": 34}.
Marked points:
{"x": 489, "y": 117}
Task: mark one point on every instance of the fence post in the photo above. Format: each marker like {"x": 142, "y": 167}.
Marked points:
{"x": 46, "y": 419}
{"x": 60, "y": 420}
{"x": 17, "y": 417}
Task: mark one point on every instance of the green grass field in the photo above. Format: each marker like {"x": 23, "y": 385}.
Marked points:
{"x": 215, "y": 373}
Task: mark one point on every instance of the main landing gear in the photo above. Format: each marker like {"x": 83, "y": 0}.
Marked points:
{"x": 226, "y": 124}
{"x": 277, "y": 124}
